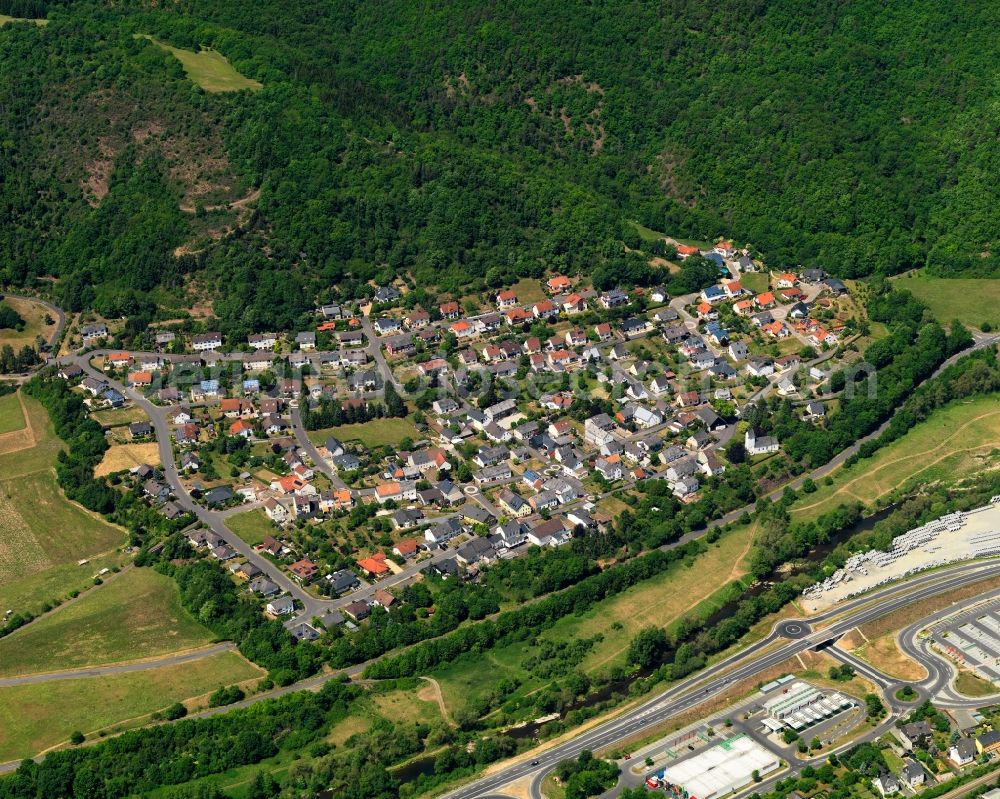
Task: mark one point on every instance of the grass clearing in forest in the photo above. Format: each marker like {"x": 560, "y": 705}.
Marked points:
{"x": 973, "y": 301}
{"x": 4, "y": 19}
{"x": 136, "y": 615}
{"x": 209, "y": 69}
{"x": 39, "y": 716}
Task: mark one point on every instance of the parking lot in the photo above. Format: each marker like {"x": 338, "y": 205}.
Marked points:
{"x": 972, "y": 639}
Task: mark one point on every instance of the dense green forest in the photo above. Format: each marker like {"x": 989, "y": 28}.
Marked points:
{"x": 468, "y": 143}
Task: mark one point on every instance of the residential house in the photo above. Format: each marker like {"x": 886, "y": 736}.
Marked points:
{"x": 613, "y": 299}
{"x": 303, "y": 570}
{"x": 478, "y": 550}
{"x": 610, "y": 468}
{"x": 988, "y": 743}
{"x": 406, "y": 548}
{"x": 759, "y": 445}
{"x": 506, "y": 299}
{"x": 963, "y": 752}
{"x": 343, "y": 581}
{"x": 760, "y": 367}
{"x": 282, "y": 606}
{"x": 386, "y": 294}
{"x": 450, "y": 310}
{"x": 399, "y": 345}
{"x": 545, "y": 309}
{"x": 276, "y": 511}
{"x": 358, "y": 611}
{"x": 574, "y": 304}
{"x": 140, "y": 430}
{"x": 815, "y": 410}
{"x": 93, "y": 333}
{"x": 738, "y": 350}
{"x": 886, "y": 783}
{"x": 513, "y": 503}
{"x": 912, "y": 774}
{"x": 558, "y": 284}
{"x": 387, "y": 325}
{"x": 262, "y": 341}
{"x": 406, "y": 519}
{"x": 264, "y": 587}
{"x": 374, "y": 566}
{"x": 203, "y": 342}
{"x": 764, "y": 300}
{"x": 713, "y": 295}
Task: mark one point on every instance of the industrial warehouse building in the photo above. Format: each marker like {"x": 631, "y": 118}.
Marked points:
{"x": 722, "y": 769}
{"x": 801, "y": 706}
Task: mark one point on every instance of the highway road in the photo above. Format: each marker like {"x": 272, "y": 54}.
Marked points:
{"x": 743, "y": 665}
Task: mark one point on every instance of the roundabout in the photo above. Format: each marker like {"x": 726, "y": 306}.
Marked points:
{"x": 793, "y": 629}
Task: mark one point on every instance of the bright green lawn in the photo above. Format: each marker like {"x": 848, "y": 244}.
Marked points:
{"x": 209, "y": 69}
{"x": 136, "y": 615}
{"x": 970, "y": 300}
{"x": 11, "y": 417}
{"x": 252, "y": 526}
{"x": 757, "y": 282}
{"x": 37, "y": 716}
{"x": 377, "y": 433}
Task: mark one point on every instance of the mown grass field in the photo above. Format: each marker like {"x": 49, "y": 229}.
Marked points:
{"x": 252, "y": 526}
{"x": 209, "y": 69}
{"x": 757, "y": 282}
{"x": 11, "y": 416}
{"x": 34, "y": 316}
{"x": 44, "y": 535}
{"x": 954, "y": 442}
{"x": 136, "y": 615}
{"x": 970, "y": 300}
{"x": 36, "y": 717}
{"x": 377, "y": 433}
{"x": 656, "y": 602}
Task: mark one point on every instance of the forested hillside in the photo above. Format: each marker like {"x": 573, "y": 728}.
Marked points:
{"x": 467, "y": 143}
